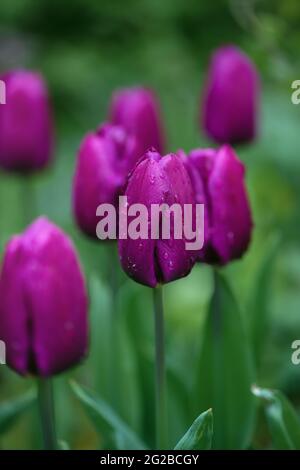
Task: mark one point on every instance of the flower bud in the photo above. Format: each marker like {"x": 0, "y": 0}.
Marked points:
{"x": 104, "y": 161}
{"x": 218, "y": 180}
{"x": 156, "y": 181}
{"x": 26, "y": 131}
{"x": 43, "y": 308}
{"x": 230, "y": 101}
{"x": 137, "y": 110}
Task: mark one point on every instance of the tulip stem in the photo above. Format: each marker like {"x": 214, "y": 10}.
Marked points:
{"x": 114, "y": 324}
{"x": 160, "y": 399}
{"x": 46, "y": 409}
{"x": 27, "y": 199}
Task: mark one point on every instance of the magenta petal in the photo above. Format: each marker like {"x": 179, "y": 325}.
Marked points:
{"x": 26, "y": 130}
{"x": 43, "y": 313}
{"x": 104, "y": 161}
{"x": 137, "y": 110}
{"x": 230, "y": 103}
{"x": 157, "y": 180}
{"x": 231, "y": 215}
{"x": 95, "y": 181}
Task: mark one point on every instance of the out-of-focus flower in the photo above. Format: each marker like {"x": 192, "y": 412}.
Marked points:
{"x": 26, "y": 130}
{"x": 154, "y": 181}
{"x": 43, "y": 308}
{"x": 230, "y": 103}
{"x": 104, "y": 161}
{"x": 137, "y": 110}
{"x": 218, "y": 180}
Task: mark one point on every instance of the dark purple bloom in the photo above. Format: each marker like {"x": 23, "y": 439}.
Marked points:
{"x": 104, "y": 161}
{"x": 218, "y": 180}
{"x": 154, "y": 181}
{"x": 230, "y": 102}
{"x": 43, "y": 308}
{"x": 26, "y": 131}
{"x": 137, "y": 110}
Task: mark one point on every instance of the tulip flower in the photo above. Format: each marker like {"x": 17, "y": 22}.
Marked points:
{"x": 43, "y": 308}
{"x": 230, "y": 101}
{"x": 153, "y": 261}
{"x": 157, "y": 180}
{"x": 43, "y": 311}
{"x": 137, "y": 110}
{"x": 26, "y": 132}
{"x": 104, "y": 161}
{"x": 218, "y": 180}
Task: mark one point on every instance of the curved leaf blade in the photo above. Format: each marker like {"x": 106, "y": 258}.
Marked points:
{"x": 199, "y": 435}
{"x": 106, "y": 420}
{"x": 283, "y": 421}
{"x": 11, "y": 410}
{"x": 225, "y": 371}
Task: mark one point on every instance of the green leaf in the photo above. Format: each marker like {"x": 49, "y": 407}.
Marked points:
{"x": 225, "y": 372}
{"x": 258, "y": 305}
{"x": 63, "y": 445}
{"x": 282, "y": 419}
{"x": 199, "y": 435}
{"x": 106, "y": 420}
{"x": 11, "y": 410}
{"x": 115, "y": 376}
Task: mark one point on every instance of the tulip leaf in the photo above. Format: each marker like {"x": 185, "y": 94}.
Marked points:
{"x": 106, "y": 420}
{"x": 11, "y": 410}
{"x": 199, "y": 435}
{"x": 115, "y": 376}
{"x": 225, "y": 371}
{"x": 258, "y": 301}
{"x": 283, "y": 421}
{"x": 63, "y": 445}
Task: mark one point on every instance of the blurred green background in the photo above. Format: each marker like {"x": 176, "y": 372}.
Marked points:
{"x": 87, "y": 48}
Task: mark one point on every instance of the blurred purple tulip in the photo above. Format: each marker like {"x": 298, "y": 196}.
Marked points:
{"x": 230, "y": 103}
{"x": 218, "y": 180}
{"x": 104, "y": 161}
{"x": 43, "y": 308}
{"x": 157, "y": 180}
{"x": 26, "y": 131}
{"x": 137, "y": 110}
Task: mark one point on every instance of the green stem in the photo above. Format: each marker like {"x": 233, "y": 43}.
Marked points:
{"x": 114, "y": 324}
{"x": 46, "y": 409}
{"x": 28, "y": 201}
{"x": 160, "y": 399}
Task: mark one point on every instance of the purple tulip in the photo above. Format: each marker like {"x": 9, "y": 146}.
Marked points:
{"x": 26, "y": 131}
{"x": 43, "y": 308}
{"x": 137, "y": 110}
{"x": 157, "y": 180}
{"x": 230, "y": 101}
{"x": 218, "y": 180}
{"x": 104, "y": 161}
